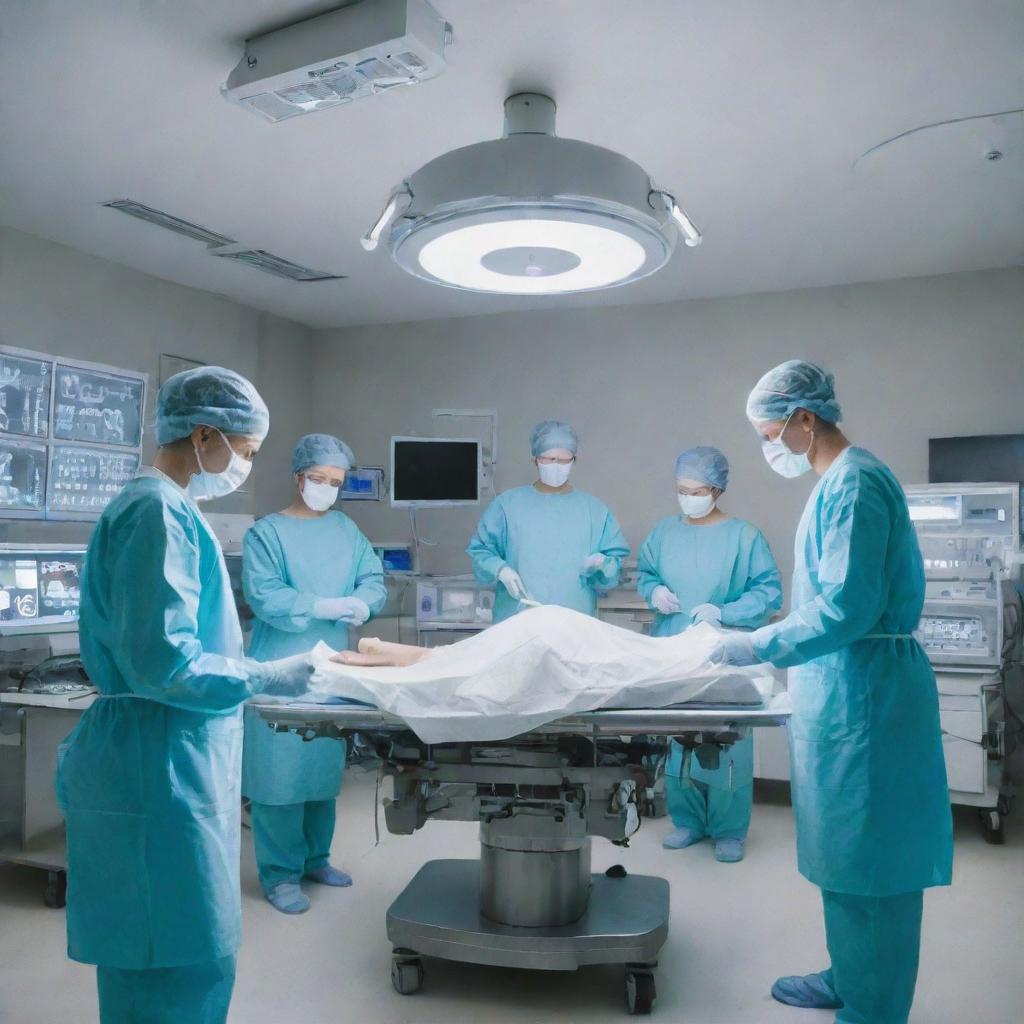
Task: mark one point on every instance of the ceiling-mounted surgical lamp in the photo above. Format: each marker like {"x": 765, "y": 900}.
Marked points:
{"x": 531, "y": 214}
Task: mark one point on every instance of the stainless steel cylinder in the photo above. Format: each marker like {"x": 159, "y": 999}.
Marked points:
{"x": 535, "y": 888}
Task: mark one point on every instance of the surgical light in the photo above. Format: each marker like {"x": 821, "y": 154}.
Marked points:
{"x": 531, "y": 214}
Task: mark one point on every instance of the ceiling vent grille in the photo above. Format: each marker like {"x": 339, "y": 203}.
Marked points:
{"x": 169, "y": 221}
{"x": 221, "y": 245}
{"x": 271, "y": 264}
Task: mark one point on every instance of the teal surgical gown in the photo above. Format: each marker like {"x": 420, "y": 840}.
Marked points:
{"x": 287, "y": 564}
{"x": 730, "y": 565}
{"x": 869, "y": 781}
{"x": 149, "y": 778}
{"x": 546, "y": 538}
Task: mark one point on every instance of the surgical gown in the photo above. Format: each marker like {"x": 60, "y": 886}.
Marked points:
{"x": 149, "y": 778}
{"x": 730, "y": 565}
{"x": 546, "y": 538}
{"x": 287, "y": 564}
{"x": 868, "y": 777}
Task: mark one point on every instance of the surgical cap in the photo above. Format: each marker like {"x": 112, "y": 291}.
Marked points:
{"x": 321, "y": 450}
{"x": 209, "y": 396}
{"x": 552, "y": 434}
{"x": 795, "y": 384}
{"x": 708, "y": 465}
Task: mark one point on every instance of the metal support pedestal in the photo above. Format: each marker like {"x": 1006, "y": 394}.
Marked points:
{"x": 438, "y": 915}
{"x": 531, "y": 900}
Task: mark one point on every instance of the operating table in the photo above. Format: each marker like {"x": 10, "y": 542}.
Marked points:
{"x": 530, "y": 901}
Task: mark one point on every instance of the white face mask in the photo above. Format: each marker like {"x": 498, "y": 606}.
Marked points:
{"x": 319, "y": 497}
{"x": 696, "y": 506}
{"x": 785, "y": 462}
{"x": 554, "y": 474}
{"x": 205, "y": 486}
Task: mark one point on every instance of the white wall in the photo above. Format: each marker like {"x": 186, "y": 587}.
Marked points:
{"x": 913, "y": 359}
{"x": 61, "y": 301}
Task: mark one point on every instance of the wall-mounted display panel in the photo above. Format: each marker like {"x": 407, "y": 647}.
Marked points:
{"x": 83, "y": 481}
{"x": 98, "y": 406}
{"x": 70, "y": 434}
{"x": 26, "y": 383}
{"x": 22, "y": 478}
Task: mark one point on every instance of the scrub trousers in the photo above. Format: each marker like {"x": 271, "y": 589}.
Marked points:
{"x": 291, "y": 839}
{"x": 707, "y": 810}
{"x": 196, "y": 994}
{"x": 874, "y": 943}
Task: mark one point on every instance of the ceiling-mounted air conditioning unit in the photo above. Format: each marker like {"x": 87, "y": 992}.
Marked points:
{"x": 335, "y": 58}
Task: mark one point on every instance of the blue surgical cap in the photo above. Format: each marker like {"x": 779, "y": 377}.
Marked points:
{"x": 708, "y": 465}
{"x": 795, "y": 384}
{"x": 321, "y": 450}
{"x": 552, "y": 434}
{"x": 209, "y": 396}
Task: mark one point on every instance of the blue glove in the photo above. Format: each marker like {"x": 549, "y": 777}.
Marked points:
{"x": 286, "y": 677}
{"x": 350, "y": 610}
{"x": 707, "y": 613}
{"x": 734, "y": 648}
{"x": 513, "y": 583}
{"x": 594, "y": 564}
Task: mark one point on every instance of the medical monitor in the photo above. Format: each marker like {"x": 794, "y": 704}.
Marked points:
{"x": 40, "y": 588}
{"x": 976, "y": 459}
{"x": 434, "y": 471}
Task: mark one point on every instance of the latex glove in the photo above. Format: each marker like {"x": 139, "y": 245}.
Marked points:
{"x": 594, "y": 564}
{"x": 286, "y": 677}
{"x": 350, "y": 610}
{"x": 665, "y": 601}
{"x": 734, "y": 648}
{"x": 512, "y": 582}
{"x": 707, "y": 613}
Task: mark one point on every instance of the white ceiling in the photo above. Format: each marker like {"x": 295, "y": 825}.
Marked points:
{"x": 752, "y": 110}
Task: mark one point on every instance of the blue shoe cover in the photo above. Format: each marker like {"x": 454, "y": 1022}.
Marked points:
{"x": 328, "y": 875}
{"x": 681, "y": 838}
{"x": 811, "y": 991}
{"x": 288, "y": 898}
{"x": 729, "y": 851}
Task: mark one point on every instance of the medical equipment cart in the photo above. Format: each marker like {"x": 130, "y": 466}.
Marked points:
{"x": 970, "y": 539}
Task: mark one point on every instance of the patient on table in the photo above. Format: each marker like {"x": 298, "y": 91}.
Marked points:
{"x": 540, "y": 665}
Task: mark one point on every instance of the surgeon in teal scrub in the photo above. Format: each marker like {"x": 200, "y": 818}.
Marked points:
{"x": 868, "y": 777}
{"x": 149, "y": 780}
{"x": 548, "y": 542}
{"x": 309, "y": 575}
{"x": 705, "y": 566}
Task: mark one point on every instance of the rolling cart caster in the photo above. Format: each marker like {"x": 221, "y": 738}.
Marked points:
{"x": 406, "y": 972}
{"x": 640, "y": 990}
{"x": 992, "y": 827}
{"x": 55, "y": 894}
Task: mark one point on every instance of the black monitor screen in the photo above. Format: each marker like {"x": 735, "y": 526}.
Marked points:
{"x": 436, "y": 471}
{"x": 987, "y": 458}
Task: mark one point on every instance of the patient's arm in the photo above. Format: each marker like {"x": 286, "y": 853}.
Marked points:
{"x": 380, "y": 652}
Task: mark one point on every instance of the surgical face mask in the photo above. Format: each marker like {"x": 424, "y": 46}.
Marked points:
{"x": 319, "y": 497}
{"x": 696, "y": 506}
{"x": 787, "y": 463}
{"x": 554, "y": 474}
{"x": 205, "y": 486}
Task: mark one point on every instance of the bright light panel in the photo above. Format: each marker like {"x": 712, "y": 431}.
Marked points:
{"x": 606, "y": 256}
